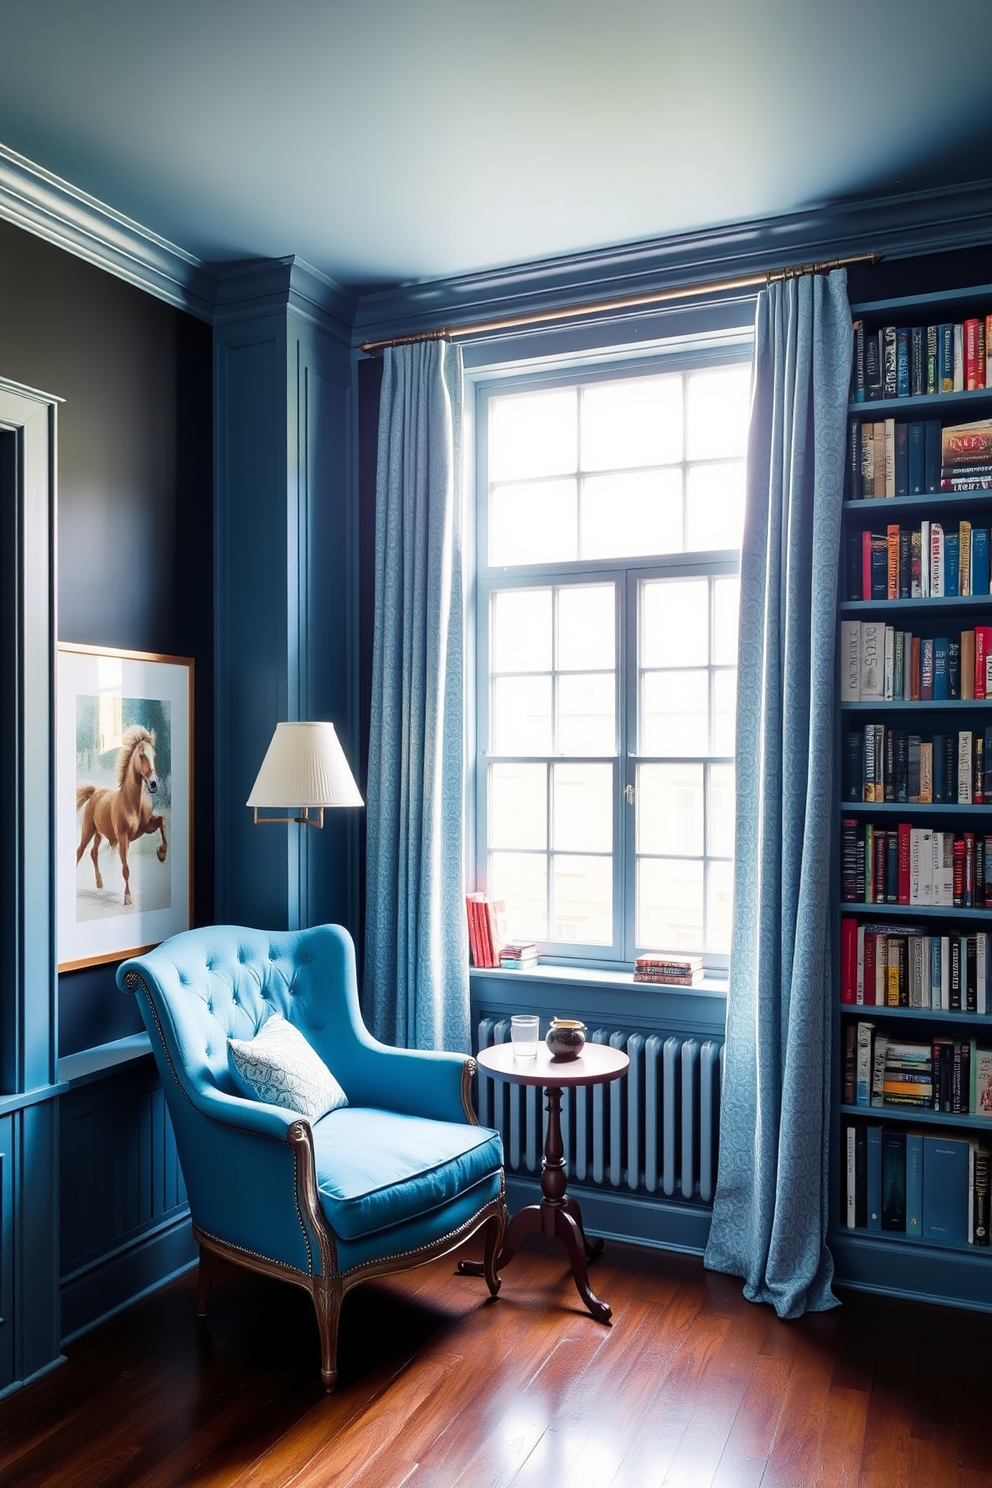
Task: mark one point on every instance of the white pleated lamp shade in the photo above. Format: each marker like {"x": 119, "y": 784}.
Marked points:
{"x": 304, "y": 765}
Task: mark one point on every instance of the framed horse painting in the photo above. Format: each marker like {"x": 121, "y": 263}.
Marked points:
{"x": 124, "y": 801}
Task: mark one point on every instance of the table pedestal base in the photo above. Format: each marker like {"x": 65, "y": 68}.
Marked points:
{"x": 556, "y": 1214}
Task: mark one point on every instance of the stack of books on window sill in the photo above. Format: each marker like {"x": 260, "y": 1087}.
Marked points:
{"x": 669, "y": 969}
{"x": 520, "y": 956}
{"x": 486, "y": 928}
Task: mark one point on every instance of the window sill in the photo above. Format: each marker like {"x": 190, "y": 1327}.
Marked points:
{"x": 599, "y": 996}
{"x": 569, "y": 975}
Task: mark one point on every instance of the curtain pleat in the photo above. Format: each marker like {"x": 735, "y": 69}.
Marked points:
{"x": 771, "y": 1207}
{"x": 416, "y": 959}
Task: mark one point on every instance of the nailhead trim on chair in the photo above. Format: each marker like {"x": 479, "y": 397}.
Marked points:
{"x": 401, "y": 1255}
{"x": 255, "y": 1254}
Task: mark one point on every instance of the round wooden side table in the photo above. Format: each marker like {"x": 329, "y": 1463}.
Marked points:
{"x": 557, "y": 1213}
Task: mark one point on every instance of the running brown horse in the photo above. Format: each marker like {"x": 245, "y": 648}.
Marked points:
{"x": 123, "y": 814}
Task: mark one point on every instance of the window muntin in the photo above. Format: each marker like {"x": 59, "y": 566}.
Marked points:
{"x": 631, "y": 467}
{"x": 607, "y": 623}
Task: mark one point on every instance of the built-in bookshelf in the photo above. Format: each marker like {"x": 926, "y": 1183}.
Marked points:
{"x": 913, "y": 1004}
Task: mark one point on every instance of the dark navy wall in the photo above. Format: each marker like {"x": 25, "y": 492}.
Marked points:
{"x": 134, "y": 550}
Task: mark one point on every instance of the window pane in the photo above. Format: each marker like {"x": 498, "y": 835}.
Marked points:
{"x": 720, "y": 907}
{"x": 724, "y": 712}
{"x": 521, "y": 630}
{"x": 715, "y": 506}
{"x": 521, "y": 722}
{"x": 627, "y": 515}
{"x": 518, "y": 805}
{"x": 722, "y": 812}
{"x": 583, "y": 808}
{"x": 521, "y": 881}
{"x": 674, "y": 713}
{"x": 533, "y": 434}
{"x": 717, "y": 412}
{"x": 670, "y": 904}
{"x": 670, "y": 809}
{"x": 632, "y": 423}
{"x": 535, "y": 523}
{"x": 726, "y": 605}
{"x": 675, "y": 624}
{"x": 586, "y": 627}
{"x": 586, "y": 714}
{"x": 583, "y": 899}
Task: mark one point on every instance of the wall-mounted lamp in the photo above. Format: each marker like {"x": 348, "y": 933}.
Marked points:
{"x": 304, "y": 769}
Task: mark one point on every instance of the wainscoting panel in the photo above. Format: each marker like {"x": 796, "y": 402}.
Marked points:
{"x": 124, "y": 1216}
{"x": 6, "y": 1252}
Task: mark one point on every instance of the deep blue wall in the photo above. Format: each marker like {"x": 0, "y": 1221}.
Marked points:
{"x": 134, "y": 549}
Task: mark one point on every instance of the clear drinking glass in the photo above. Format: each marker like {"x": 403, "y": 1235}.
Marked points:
{"x": 524, "y": 1031}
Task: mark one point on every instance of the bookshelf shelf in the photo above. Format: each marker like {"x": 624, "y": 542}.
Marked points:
{"x": 915, "y": 950}
{"x": 946, "y": 605}
{"x": 923, "y": 808}
{"x": 911, "y": 911}
{"x": 934, "y": 403}
{"x": 916, "y": 1015}
{"x": 919, "y": 705}
{"x": 911, "y": 1113}
{"x": 870, "y": 509}
{"x": 917, "y": 1242}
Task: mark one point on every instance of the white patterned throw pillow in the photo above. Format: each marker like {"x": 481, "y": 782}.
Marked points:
{"x": 279, "y": 1067}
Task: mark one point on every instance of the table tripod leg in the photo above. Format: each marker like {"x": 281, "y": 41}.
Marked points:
{"x": 593, "y": 1248}
{"x": 525, "y": 1222}
{"x": 571, "y": 1234}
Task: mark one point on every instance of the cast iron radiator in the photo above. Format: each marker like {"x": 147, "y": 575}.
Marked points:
{"x": 655, "y": 1130}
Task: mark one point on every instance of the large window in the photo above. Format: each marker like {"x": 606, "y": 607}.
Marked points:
{"x": 610, "y": 516}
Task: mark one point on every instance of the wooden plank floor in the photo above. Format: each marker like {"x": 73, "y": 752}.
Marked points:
{"x": 691, "y": 1387}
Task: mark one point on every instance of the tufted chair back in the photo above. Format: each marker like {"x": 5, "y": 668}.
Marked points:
{"x": 223, "y": 981}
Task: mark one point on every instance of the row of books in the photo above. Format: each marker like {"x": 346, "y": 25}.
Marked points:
{"x": 518, "y": 955}
{"x": 880, "y": 663}
{"x": 925, "y": 1185}
{"x": 966, "y": 457}
{"x": 919, "y": 361}
{"x": 947, "y": 1074}
{"x": 932, "y": 561}
{"x": 487, "y": 936}
{"x": 887, "y": 458}
{"x": 893, "y": 764}
{"x": 905, "y": 966}
{"x": 914, "y": 865}
{"x": 486, "y": 928}
{"x": 668, "y": 968}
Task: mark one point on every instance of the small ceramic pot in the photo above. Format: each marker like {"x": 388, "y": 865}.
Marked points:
{"x": 566, "y": 1037}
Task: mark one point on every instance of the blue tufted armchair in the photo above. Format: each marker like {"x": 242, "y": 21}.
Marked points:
{"x": 399, "y": 1175}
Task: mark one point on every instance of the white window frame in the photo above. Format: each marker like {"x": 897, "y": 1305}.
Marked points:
{"x": 626, "y": 573}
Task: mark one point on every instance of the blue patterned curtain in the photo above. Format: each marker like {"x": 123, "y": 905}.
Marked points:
{"x": 416, "y": 956}
{"x": 771, "y": 1208}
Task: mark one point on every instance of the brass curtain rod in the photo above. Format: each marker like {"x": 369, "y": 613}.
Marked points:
{"x": 629, "y": 302}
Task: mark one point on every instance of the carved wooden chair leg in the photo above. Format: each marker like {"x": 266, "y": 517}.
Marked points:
{"x": 204, "y": 1279}
{"x": 327, "y": 1295}
{"x": 495, "y": 1230}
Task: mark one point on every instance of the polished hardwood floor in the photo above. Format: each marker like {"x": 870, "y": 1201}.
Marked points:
{"x": 691, "y": 1386}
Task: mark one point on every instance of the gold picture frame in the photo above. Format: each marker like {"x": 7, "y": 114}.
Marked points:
{"x": 123, "y": 801}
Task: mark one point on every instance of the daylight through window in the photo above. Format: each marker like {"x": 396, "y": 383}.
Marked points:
{"x": 610, "y": 529}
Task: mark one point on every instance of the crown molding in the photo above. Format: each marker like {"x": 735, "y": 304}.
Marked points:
{"x": 42, "y": 203}
{"x": 898, "y": 226}
{"x": 250, "y": 287}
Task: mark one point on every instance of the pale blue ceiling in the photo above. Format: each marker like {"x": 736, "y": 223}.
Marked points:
{"x": 396, "y": 140}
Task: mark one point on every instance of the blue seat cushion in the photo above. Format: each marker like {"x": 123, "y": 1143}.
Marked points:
{"x": 376, "y": 1168}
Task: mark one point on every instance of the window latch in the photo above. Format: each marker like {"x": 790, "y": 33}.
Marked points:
{"x": 628, "y": 794}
